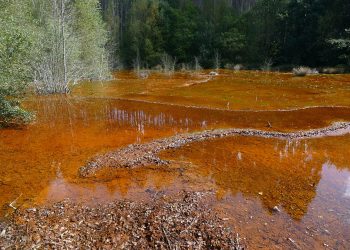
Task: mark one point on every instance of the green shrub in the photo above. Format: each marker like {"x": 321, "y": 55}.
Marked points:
{"x": 303, "y": 71}
{"x": 15, "y": 55}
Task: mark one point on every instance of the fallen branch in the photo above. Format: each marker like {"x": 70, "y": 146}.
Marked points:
{"x": 166, "y": 238}
{"x": 294, "y": 243}
{"x": 11, "y": 205}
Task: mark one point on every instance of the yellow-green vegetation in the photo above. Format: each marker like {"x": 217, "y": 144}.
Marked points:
{"x": 16, "y": 46}
{"x": 51, "y": 44}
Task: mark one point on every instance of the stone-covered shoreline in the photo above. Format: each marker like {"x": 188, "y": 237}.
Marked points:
{"x": 138, "y": 155}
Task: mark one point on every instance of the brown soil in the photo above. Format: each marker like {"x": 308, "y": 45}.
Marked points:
{"x": 178, "y": 222}
{"x": 137, "y": 155}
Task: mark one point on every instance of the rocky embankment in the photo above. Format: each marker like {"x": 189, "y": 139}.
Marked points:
{"x": 137, "y": 155}
{"x": 182, "y": 221}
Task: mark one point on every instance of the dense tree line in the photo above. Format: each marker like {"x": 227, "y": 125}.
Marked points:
{"x": 279, "y": 32}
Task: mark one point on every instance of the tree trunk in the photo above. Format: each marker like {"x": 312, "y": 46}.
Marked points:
{"x": 64, "y": 58}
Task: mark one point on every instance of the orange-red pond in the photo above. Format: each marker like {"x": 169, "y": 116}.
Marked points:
{"x": 278, "y": 194}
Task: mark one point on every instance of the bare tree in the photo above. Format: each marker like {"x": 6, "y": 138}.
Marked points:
{"x": 197, "y": 66}
{"x": 137, "y": 63}
{"x": 69, "y": 50}
{"x": 267, "y": 65}
{"x": 63, "y": 38}
{"x": 217, "y": 61}
{"x": 168, "y": 64}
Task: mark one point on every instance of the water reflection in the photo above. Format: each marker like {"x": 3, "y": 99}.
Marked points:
{"x": 73, "y": 112}
{"x": 129, "y": 184}
{"x": 308, "y": 181}
{"x": 278, "y": 173}
{"x": 140, "y": 118}
{"x": 58, "y": 112}
{"x": 72, "y": 130}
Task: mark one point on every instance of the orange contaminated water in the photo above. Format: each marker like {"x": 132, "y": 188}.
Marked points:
{"x": 244, "y": 90}
{"x": 278, "y": 194}
{"x": 307, "y": 180}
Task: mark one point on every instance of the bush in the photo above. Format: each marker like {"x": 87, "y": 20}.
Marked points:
{"x": 333, "y": 70}
{"x": 303, "y": 71}
{"x": 16, "y": 53}
{"x": 168, "y": 64}
{"x": 238, "y": 67}
{"x": 267, "y": 65}
{"x": 12, "y": 115}
{"x": 235, "y": 67}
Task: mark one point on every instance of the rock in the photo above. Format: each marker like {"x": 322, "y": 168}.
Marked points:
{"x": 144, "y": 75}
{"x": 327, "y": 232}
{"x": 213, "y": 73}
{"x": 276, "y": 209}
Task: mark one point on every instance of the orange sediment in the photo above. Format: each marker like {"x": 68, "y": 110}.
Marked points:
{"x": 274, "y": 189}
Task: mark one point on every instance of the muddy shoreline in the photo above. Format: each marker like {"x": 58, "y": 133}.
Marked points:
{"x": 138, "y": 155}
{"x": 183, "y": 221}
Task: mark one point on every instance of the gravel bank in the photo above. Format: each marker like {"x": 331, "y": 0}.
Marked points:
{"x": 137, "y": 155}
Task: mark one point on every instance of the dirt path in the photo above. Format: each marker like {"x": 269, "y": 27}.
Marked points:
{"x": 137, "y": 155}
